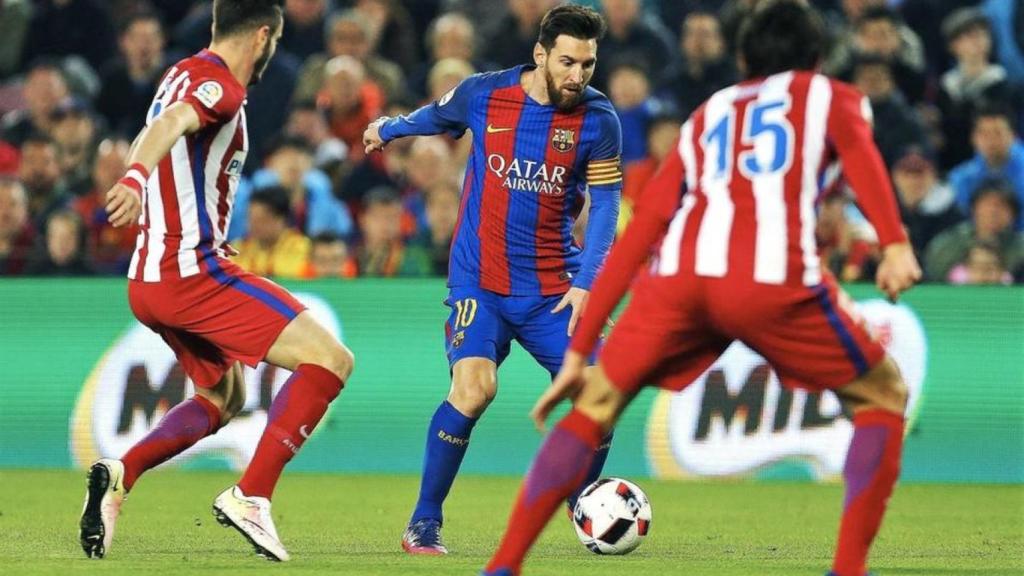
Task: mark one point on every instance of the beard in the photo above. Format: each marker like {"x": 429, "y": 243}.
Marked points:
{"x": 260, "y": 65}
{"x": 562, "y": 98}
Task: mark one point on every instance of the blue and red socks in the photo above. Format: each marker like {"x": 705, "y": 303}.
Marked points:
{"x": 559, "y": 468}
{"x": 182, "y": 426}
{"x": 294, "y": 413}
{"x": 447, "y": 441}
{"x": 872, "y": 467}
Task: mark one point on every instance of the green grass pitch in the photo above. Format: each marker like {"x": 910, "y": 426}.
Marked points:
{"x": 339, "y": 524}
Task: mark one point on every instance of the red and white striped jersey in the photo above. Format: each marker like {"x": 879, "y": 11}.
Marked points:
{"x": 752, "y": 158}
{"x": 736, "y": 198}
{"x": 189, "y": 195}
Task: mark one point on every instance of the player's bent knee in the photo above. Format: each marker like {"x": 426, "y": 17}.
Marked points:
{"x": 472, "y": 396}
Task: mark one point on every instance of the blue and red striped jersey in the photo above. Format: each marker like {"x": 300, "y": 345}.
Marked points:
{"x": 529, "y": 170}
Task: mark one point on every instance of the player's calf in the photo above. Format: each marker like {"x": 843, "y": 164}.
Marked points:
{"x": 474, "y": 386}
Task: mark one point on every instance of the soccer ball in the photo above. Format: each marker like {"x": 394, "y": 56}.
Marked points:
{"x": 612, "y": 516}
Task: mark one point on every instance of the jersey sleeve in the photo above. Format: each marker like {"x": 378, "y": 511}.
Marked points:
{"x": 215, "y": 100}
{"x": 449, "y": 113}
{"x": 849, "y": 130}
{"x": 604, "y": 181}
{"x": 655, "y": 208}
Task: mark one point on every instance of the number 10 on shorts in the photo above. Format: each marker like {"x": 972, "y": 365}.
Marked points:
{"x": 465, "y": 312}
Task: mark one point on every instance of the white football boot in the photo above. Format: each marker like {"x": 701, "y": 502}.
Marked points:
{"x": 250, "y": 515}
{"x": 104, "y": 494}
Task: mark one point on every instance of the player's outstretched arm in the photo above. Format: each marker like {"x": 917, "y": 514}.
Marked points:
{"x": 849, "y": 128}
{"x": 447, "y": 114}
{"x": 124, "y": 199}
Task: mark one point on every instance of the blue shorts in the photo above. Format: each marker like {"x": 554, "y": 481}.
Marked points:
{"x": 483, "y": 324}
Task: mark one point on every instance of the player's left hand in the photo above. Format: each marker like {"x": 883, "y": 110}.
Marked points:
{"x": 898, "y": 270}
{"x": 566, "y": 385}
{"x": 371, "y": 136}
{"x": 577, "y": 298}
{"x": 123, "y": 205}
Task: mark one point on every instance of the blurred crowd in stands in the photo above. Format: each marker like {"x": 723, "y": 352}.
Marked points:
{"x": 945, "y": 79}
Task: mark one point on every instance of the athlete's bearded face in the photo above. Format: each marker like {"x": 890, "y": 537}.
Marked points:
{"x": 568, "y": 68}
{"x": 269, "y": 47}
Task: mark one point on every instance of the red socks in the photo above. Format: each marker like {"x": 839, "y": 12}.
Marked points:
{"x": 872, "y": 467}
{"x": 294, "y": 414}
{"x": 182, "y": 426}
{"x": 559, "y": 468}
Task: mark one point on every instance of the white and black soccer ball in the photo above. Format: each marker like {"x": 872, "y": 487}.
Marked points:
{"x": 612, "y": 516}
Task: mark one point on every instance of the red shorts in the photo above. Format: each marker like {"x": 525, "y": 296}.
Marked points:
{"x": 213, "y": 319}
{"x": 673, "y": 329}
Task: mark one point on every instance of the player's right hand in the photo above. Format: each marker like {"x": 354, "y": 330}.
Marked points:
{"x": 123, "y": 205}
{"x": 898, "y": 270}
{"x": 371, "y": 136}
{"x": 566, "y": 385}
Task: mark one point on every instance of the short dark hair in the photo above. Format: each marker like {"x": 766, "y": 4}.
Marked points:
{"x": 990, "y": 109}
{"x": 571, "y": 20}
{"x": 781, "y": 35}
{"x": 381, "y": 195}
{"x": 999, "y": 187}
{"x": 235, "y": 16}
{"x": 38, "y": 138}
{"x": 279, "y": 143}
{"x": 326, "y": 238}
{"x": 136, "y": 16}
{"x": 875, "y": 13}
{"x": 275, "y": 198}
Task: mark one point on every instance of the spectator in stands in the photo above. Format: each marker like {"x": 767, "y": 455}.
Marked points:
{"x": 74, "y": 132}
{"x": 994, "y": 209}
{"x": 17, "y": 234}
{"x": 329, "y": 258}
{"x": 272, "y": 247}
{"x": 382, "y": 252}
{"x": 350, "y": 33}
{"x": 387, "y": 169}
{"x": 1007, "y": 17}
{"x": 983, "y": 265}
{"x": 705, "y": 66}
{"x": 40, "y": 173}
{"x": 998, "y": 153}
{"x": 45, "y": 88}
{"x": 511, "y": 42}
{"x": 662, "y": 133}
{"x": 896, "y": 124}
{"x": 927, "y": 205}
{"x": 442, "y": 212}
{"x": 452, "y": 35}
{"x": 849, "y": 248}
{"x": 629, "y": 89}
{"x": 351, "y": 102}
{"x": 873, "y": 29}
{"x": 394, "y": 33}
{"x": 302, "y": 34}
{"x": 445, "y": 75}
{"x": 634, "y": 36}
{"x": 14, "y": 20}
{"x": 429, "y": 164}
{"x": 308, "y": 122}
{"x": 880, "y": 32}
{"x": 972, "y": 82}
{"x": 63, "y": 253}
{"x": 109, "y": 248}
{"x": 71, "y": 28}
{"x": 311, "y": 202}
{"x": 129, "y": 83}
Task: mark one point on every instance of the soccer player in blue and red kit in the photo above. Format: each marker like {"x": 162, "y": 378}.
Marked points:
{"x": 184, "y": 171}
{"x": 730, "y": 218}
{"x": 542, "y": 138}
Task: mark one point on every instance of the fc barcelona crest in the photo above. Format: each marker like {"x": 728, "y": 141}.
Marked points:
{"x": 563, "y": 140}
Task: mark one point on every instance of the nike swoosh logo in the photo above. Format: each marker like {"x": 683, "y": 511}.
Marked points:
{"x": 304, "y": 432}
{"x": 492, "y": 130}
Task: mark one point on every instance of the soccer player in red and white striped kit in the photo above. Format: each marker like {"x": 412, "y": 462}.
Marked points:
{"x": 730, "y": 219}
{"x": 184, "y": 171}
